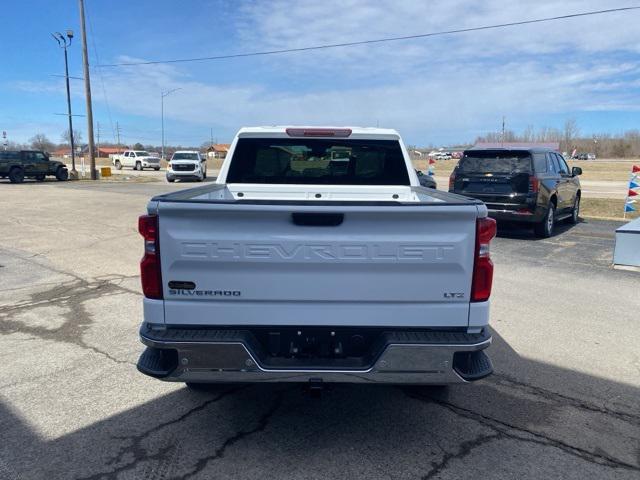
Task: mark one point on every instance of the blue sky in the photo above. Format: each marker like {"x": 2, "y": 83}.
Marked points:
{"x": 434, "y": 91}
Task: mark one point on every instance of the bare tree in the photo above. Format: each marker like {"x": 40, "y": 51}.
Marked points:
{"x": 16, "y": 146}
{"x": 569, "y": 133}
{"x": 66, "y": 138}
{"x": 604, "y": 145}
{"x": 40, "y": 142}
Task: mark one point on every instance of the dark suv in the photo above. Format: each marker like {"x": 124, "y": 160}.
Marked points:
{"x": 18, "y": 164}
{"x": 522, "y": 185}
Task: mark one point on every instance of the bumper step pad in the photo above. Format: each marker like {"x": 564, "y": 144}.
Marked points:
{"x": 472, "y": 365}
{"x": 157, "y": 362}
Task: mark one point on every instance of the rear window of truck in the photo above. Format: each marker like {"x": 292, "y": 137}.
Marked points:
{"x": 495, "y": 162}
{"x": 318, "y": 161}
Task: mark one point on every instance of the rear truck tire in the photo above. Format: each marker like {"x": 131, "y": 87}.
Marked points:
{"x": 16, "y": 175}
{"x": 118, "y": 165}
{"x": 575, "y": 212}
{"x": 544, "y": 229}
{"x": 40, "y": 177}
{"x": 62, "y": 174}
{"x": 138, "y": 166}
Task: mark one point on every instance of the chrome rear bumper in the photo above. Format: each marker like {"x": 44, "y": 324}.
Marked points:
{"x": 227, "y": 356}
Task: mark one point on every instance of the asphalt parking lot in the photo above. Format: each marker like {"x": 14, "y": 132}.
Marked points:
{"x": 564, "y": 401}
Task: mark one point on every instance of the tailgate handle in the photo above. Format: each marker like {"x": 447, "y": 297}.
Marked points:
{"x": 317, "y": 219}
{"x": 182, "y": 285}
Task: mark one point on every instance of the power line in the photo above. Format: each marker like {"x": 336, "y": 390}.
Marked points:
{"x": 104, "y": 90}
{"x": 379, "y": 40}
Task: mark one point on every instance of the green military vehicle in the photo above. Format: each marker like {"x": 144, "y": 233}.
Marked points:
{"x": 18, "y": 164}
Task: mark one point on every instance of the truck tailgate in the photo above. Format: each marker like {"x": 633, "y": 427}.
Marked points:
{"x": 335, "y": 265}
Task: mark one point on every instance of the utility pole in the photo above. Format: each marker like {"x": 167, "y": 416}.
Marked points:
{"x": 118, "y": 133}
{"x": 503, "y": 130}
{"x": 64, "y": 42}
{"x": 87, "y": 91}
{"x": 162, "y": 95}
{"x": 98, "y": 139}
{"x": 211, "y": 137}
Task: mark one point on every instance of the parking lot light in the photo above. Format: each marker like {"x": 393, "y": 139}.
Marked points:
{"x": 64, "y": 42}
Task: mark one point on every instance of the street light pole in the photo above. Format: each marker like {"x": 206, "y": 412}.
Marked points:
{"x": 162, "y": 95}
{"x": 64, "y": 42}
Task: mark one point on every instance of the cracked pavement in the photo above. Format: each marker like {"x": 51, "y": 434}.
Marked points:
{"x": 564, "y": 402}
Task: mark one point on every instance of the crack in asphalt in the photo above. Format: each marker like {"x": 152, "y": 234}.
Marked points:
{"x": 507, "y": 430}
{"x": 263, "y": 422}
{"x": 466, "y": 448}
{"x": 565, "y": 399}
{"x": 141, "y": 454}
{"x": 72, "y": 296}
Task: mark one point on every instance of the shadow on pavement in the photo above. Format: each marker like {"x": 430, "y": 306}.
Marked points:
{"x": 521, "y": 231}
{"x": 502, "y": 425}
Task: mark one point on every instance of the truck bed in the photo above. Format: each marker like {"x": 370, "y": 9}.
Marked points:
{"x": 316, "y": 195}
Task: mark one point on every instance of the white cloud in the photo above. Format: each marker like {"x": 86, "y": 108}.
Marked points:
{"x": 453, "y": 86}
{"x": 447, "y": 102}
{"x": 283, "y": 24}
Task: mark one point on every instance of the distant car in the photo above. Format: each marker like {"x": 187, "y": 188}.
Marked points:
{"x": 426, "y": 180}
{"x": 187, "y": 164}
{"x": 21, "y": 164}
{"x": 136, "y": 159}
{"x": 534, "y": 186}
{"x": 443, "y": 156}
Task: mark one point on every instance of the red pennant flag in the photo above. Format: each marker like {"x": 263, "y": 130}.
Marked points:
{"x": 632, "y": 193}
{"x": 432, "y": 161}
{"x": 636, "y": 169}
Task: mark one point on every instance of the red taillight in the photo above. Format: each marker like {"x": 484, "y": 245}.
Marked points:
{"x": 483, "y": 266}
{"x": 534, "y": 185}
{"x": 150, "y": 273}
{"x": 452, "y": 180}
{"x": 319, "y": 132}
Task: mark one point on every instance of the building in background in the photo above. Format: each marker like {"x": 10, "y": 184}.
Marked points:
{"x": 110, "y": 151}
{"x": 219, "y": 150}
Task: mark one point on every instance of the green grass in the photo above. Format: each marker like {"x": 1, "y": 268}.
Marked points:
{"x": 607, "y": 170}
{"x": 606, "y": 208}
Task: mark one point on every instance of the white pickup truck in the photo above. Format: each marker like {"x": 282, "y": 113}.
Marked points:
{"x": 305, "y": 265}
{"x": 136, "y": 159}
